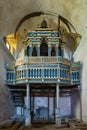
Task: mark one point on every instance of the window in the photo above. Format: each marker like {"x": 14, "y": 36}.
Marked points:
{"x": 44, "y": 48}
{"x": 34, "y": 52}
{"x": 53, "y": 53}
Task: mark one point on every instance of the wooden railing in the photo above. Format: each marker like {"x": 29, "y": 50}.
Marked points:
{"x": 40, "y": 60}
{"x": 43, "y": 69}
{"x": 75, "y": 77}
{"x": 46, "y": 73}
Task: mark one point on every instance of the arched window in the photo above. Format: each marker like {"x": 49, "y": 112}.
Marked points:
{"x": 53, "y": 53}
{"x": 34, "y": 52}
{"x": 59, "y": 50}
{"x": 27, "y": 51}
{"x": 44, "y": 48}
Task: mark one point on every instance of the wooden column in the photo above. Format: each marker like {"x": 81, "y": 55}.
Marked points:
{"x": 27, "y": 114}
{"x": 30, "y": 50}
{"x": 57, "y": 53}
{"x": 58, "y": 120}
{"x": 48, "y": 104}
{"x": 57, "y": 96}
{"x": 49, "y": 49}
{"x": 38, "y": 50}
{"x": 62, "y": 50}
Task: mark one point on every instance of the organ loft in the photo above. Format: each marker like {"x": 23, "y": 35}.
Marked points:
{"x": 43, "y": 64}
{"x": 42, "y": 73}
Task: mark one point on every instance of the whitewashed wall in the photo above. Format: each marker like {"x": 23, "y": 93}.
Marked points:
{"x": 64, "y": 104}
{"x": 6, "y": 104}
{"x": 81, "y": 55}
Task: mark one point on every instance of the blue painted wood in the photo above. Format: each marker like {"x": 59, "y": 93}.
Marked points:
{"x": 49, "y": 50}
{"x": 35, "y": 34}
{"x": 43, "y": 73}
{"x": 54, "y": 34}
{"x": 38, "y": 52}
{"x": 62, "y": 52}
{"x": 30, "y": 51}
{"x": 51, "y": 74}
{"x": 25, "y": 52}
{"x": 53, "y": 40}
{"x": 32, "y": 40}
{"x": 57, "y": 51}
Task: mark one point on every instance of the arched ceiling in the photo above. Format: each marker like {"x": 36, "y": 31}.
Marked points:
{"x": 11, "y": 12}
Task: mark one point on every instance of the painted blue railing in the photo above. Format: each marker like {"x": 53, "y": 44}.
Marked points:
{"x": 42, "y": 33}
{"x": 10, "y": 76}
{"x": 28, "y": 71}
{"x": 75, "y": 77}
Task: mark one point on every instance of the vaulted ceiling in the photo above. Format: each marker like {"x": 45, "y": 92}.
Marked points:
{"x": 11, "y": 12}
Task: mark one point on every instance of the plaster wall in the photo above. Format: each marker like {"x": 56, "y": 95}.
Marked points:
{"x": 64, "y": 105}
{"x": 76, "y": 105}
{"x": 6, "y": 104}
{"x": 11, "y": 12}
{"x": 81, "y": 55}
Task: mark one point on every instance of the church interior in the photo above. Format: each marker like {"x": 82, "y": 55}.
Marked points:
{"x": 43, "y": 71}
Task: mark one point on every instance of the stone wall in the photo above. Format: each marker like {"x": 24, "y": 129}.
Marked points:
{"x": 6, "y": 104}
{"x": 64, "y": 105}
{"x": 76, "y": 105}
{"x": 74, "y": 11}
{"x": 81, "y": 55}
{"x": 11, "y": 12}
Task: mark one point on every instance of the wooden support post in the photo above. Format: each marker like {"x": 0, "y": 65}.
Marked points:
{"x": 48, "y": 104}
{"x": 38, "y": 52}
{"x": 54, "y": 105}
{"x": 27, "y": 114}
{"x": 58, "y": 120}
{"x": 49, "y": 50}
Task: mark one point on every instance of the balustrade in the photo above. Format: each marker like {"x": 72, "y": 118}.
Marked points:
{"x": 75, "y": 77}
{"x": 39, "y": 73}
{"x": 46, "y": 72}
{"x": 10, "y": 76}
{"x": 40, "y": 60}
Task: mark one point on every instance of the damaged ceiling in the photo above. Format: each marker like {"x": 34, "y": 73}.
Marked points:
{"x": 11, "y": 12}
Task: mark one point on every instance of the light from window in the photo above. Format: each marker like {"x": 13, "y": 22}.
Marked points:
{"x": 8, "y": 46}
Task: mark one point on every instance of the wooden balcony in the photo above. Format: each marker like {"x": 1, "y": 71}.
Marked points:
{"x": 40, "y": 60}
{"x": 43, "y": 70}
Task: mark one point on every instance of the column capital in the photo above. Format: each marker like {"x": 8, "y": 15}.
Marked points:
{"x": 57, "y": 84}
{"x": 27, "y": 83}
{"x": 38, "y": 44}
{"x": 63, "y": 46}
{"x": 30, "y": 45}
{"x": 49, "y": 44}
{"x": 57, "y": 44}
{"x": 38, "y": 49}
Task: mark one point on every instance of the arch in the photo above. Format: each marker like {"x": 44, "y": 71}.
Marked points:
{"x": 28, "y": 48}
{"x": 44, "y": 24}
{"x": 59, "y": 50}
{"x": 44, "y": 48}
{"x": 78, "y": 75}
{"x": 34, "y": 51}
{"x": 53, "y": 52}
{"x": 35, "y": 14}
{"x": 27, "y": 51}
